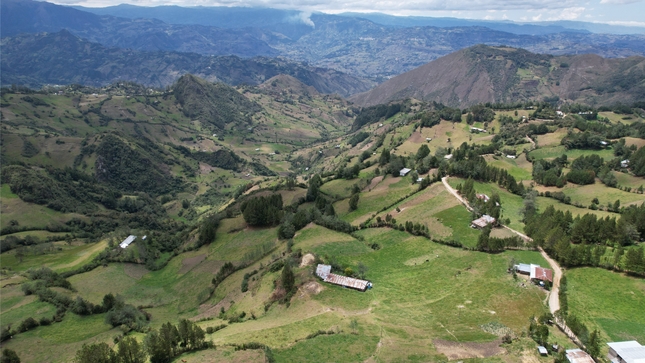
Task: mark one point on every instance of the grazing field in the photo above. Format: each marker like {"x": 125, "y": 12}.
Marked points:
{"x": 552, "y": 138}
{"x": 556, "y": 151}
{"x": 626, "y": 180}
{"x": 583, "y": 194}
{"x": 608, "y": 301}
{"x": 519, "y": 168}
{"x": 387, "y": 192}
{"x": 544, "y": 202}
{"x": 67, "y": 258}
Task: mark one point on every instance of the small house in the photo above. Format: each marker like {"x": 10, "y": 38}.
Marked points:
{"x": 541, "y": 274}
{"x": 511, "y": 156}
{"x": 624, "y": 163}
{"x": 523, "y": 268}
{"x": 419, "y": 179}
{"x": 404, "y": 171}
{"x": 542, "y": 350}
{"x": 324, "y": 272}
{"x": 482, "y": 221}
{"x": 476, "y": 130}
{"x": 604, "y": 143}
{"x": 578, "y": 356}
{"x": 483, "y": 197}
{"x": 448, "y": 157}
{"x": 428, "y": 139}
{"x": 626, "y": 352}
{"x": 126, "y": 242}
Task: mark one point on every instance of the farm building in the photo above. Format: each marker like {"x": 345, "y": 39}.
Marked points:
{"x": 534, "y": 271}
{"x": 448, "y": 157}
{"x": 511, "y": 156}
{"x": 626, "y": 352}
{"x": 523, "y": 268}
{"x": 324, "y": 272}
{"x": 482, "y": 221}
{"x": 126, "y": 242}
{"x": 541, "y": 274}
{"x": 404, "y": 171}
{"x": 542, "y": 350}
{"x": 624, "y": 163}
{"x": 483, "y": 197}
{"x": 578, "y": 356}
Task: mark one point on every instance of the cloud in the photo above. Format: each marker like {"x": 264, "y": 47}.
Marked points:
{"x": 303, "y": 17}
{"x": 619, "y": 2}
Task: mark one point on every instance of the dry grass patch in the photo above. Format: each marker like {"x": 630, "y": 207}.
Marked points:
{"x": 134, "y": 270}
{"x": 187, "y": 264}
{"x": 465, "y": 350}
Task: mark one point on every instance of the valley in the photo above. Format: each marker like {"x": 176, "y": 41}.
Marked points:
{"x": 439, "y": 293}
{"x": 200, "y": 184}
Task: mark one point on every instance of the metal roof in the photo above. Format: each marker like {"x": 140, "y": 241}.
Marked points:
{"x": 126, "y": 242}
{"x": 523, "y": 267}
{"x": 542, "y": 350}
{"x": 630, "y": 351}
{"x": 347, "y": 281}
{"x": 323, "y": 270}
{"x": 540, "y": 273}
{"x": 578, "y": 356}
{"x": 404, "y": 171}
{"x": 483, "y": 221}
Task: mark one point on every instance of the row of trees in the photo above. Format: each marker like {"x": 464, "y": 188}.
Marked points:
{"x": 161, "y": 346}
{"x": 582, "y": 241}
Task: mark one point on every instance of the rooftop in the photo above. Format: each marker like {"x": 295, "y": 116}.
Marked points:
{"x": 126, "y": 242}
{"x": 483, "y": 221}
{"x": 630, "y": 351}
{"x": 578, "y": 356}
{"x": 541, "y": 273}
{"x": 347, "y": 281}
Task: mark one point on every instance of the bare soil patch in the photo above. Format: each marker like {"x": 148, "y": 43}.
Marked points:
{"x": 134, "y": 270}
{"x": 457, "y": 350}
{"x": 373, "y": 183}
{"x": 417, "y": 138}
{"x": 309, "y": 289}
{"x": 189, "y": 263}
{"x": 307, "y": 260}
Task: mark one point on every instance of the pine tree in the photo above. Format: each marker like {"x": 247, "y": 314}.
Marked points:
{"x": 288, "y": 278}
{"x": 130, "y": 351}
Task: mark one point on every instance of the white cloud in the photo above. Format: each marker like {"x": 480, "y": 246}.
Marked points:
{"x": 619, "y": 2}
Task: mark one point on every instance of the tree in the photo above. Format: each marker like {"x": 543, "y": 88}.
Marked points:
{"x": 353, "y": 202}
{"x": 208, "y": 229}
{"x": 593, "y": 345}
{"x": 9, "y": 356}
{"x": 95, "y": 353}
{"x": 130, "y": 351}
{"x": 288, "y": 279}
{"x": 423, "y": 151}
{"x": 634, "y": 261}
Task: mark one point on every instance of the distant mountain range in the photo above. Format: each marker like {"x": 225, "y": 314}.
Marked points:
{"x": 483, "y": 74}
{"x": 63, "y": 58}
{"x": 372, "y": 46}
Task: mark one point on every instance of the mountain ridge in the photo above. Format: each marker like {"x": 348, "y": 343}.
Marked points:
{"x": 483, "y": 74}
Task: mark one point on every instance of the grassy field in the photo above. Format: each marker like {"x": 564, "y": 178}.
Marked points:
{"x": 387, "y": 192}
{"x": 608, "y": 301}
{"x": 556, "y": 151}
{"x": 519, "y": 168}
{"x": 67, "y": 258}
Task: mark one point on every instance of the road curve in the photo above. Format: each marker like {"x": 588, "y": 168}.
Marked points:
{"x": 554, "y": 296}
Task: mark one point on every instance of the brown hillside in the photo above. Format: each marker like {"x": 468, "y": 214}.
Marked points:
{"x": 285, "y": 83}
{"x": 499, "y": 74}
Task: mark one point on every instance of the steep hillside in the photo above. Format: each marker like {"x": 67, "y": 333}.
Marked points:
{"x": 494, "y": 74}
{"x": 217, "y": 104}
{"x": 62, "y": 58}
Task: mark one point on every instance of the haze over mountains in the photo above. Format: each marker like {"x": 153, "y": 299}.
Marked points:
{"x": 353, "y": 45}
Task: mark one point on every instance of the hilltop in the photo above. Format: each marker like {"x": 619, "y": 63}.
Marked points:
{"x": 483, "y": 74}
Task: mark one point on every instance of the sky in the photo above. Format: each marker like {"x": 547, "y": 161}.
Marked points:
{"x": 617, "y": 12}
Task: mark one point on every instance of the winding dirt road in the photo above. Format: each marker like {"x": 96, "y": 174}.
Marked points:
{"x": 554, "y": 296}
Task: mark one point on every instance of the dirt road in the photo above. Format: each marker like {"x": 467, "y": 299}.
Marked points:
{"x": 444, "y": 180}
